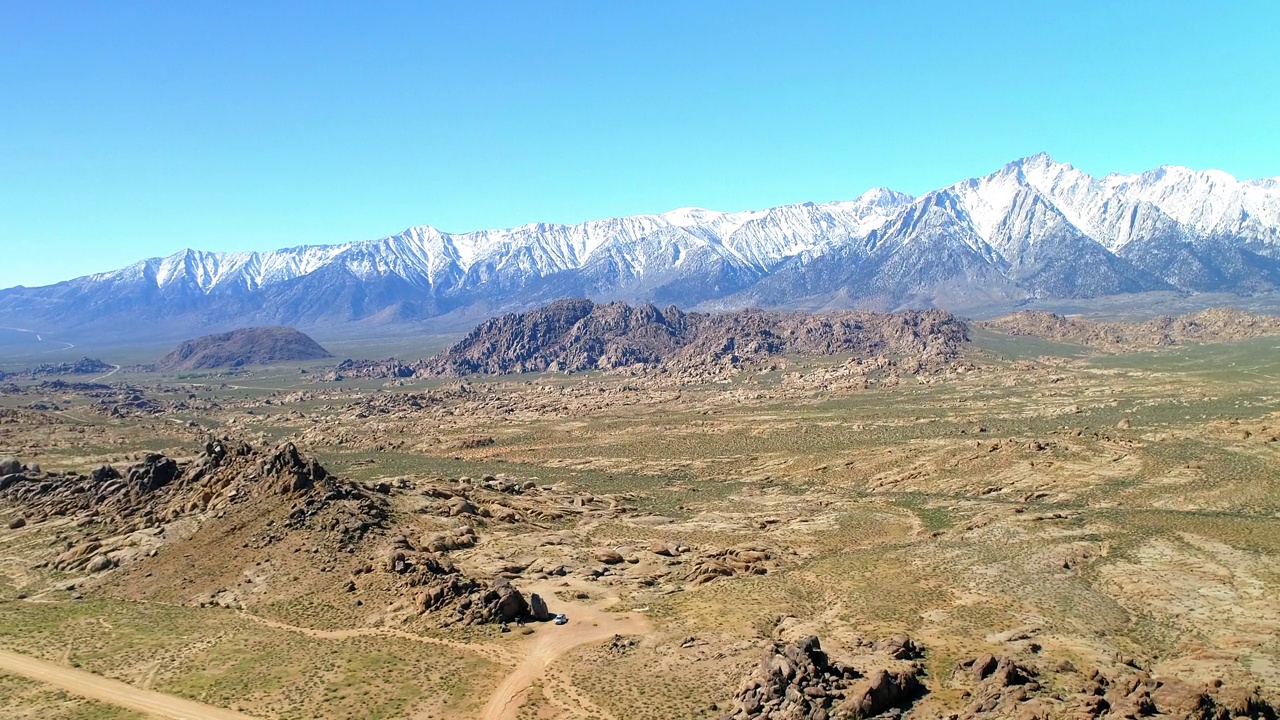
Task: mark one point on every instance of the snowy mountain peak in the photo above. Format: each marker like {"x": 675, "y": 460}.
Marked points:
{"x": 691, "y": 216}
{"x": 883, "y": 197}
{"x": 1034, "y": 227}
{"x": 1036, "y": 161}
{"x": 1114, "y": 211}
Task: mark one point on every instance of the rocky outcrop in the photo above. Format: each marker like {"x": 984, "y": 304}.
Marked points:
{"x": 899, "y": 647}
{"x": 1206, "y": 326}
{"x": 737, "y": 560}
{"x": 579, "y": 335}
{"x": 160, "y": 489}
{"x": 9, "y": 466}
{"x": 1007, "y": 687}
{"x": 996, "y": 683}
{"x": 352, "y": 369}
{"x": 798, "y": 681}
{"x": 287, "y": 471}
{"x": 608, "y": 556}
{"x": 458, "y": 539}
{"x": 153, "y": 473}
{"x": 538, "y": 608}
{"x": 1132, "y": 695}
{"x": 509, "y": 501}
{"x": 441, "y": 589}
{"x": 247, "y": 346}
{"x": 83, "y": 366}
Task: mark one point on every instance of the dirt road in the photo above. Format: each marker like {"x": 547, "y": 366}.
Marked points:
{"x": 532, "y": 655}
{"x": 113, "y": 692}
{"x": 114, "y": 369}
{"x": 40, "y": 338}
{"x": 587, "y": 624}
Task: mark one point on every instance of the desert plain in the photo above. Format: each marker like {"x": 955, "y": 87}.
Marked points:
{"x": 1035, "y": 527}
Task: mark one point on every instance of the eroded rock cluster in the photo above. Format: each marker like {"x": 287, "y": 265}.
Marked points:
{"x": 1205, "y": 326}
{"x": 1006, "y": 687}
{"x": 510, "y": 500}
{"x": 158, "y": 490}
{"x": 797, "y": 681}
{"x": 748, "y": 559}
{"x": 437, "y": 586}
{"x": 361, "y": 368}
{"x": 83, "y": 366}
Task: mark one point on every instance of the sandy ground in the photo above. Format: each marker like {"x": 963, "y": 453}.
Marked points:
{"x": 112, "y": 692}
{"x": 532, "y": 656}
{"x": 588, "y": 623}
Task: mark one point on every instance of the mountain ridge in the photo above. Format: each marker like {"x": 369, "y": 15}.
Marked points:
{"x": 1033, "y": 229}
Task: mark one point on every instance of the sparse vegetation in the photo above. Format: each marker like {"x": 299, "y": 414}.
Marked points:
{"x": 1045, "y": 503}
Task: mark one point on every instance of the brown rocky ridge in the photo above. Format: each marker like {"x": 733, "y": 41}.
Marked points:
{"x": 123, "y": 508}
{"x": 798, "y": 680}
{"x": 997, "y": 686}
{"x": 175, "y": 520}
{"x": 1207, "y": 326}
{"x": 578, "y": 335}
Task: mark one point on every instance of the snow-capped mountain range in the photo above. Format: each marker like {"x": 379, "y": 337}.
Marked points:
{"x": 1036, "y": 228}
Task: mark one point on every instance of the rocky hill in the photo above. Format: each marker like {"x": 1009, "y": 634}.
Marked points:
{"x": 580, "y": 335}
{"x": 163, "y": 521}
{"x": 1206, "y": 326}
{"x": 248, "y": 346}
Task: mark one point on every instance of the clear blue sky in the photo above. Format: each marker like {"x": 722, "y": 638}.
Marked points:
{"x": 134, "y": 129}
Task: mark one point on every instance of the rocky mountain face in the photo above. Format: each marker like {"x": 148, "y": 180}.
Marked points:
{"x": 1036, "y": 228}
{"x": 578, "y": 335}
{"x": 247, "y": 346}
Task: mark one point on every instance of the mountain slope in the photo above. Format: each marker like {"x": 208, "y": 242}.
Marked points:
{"x": 1035, "y": 228}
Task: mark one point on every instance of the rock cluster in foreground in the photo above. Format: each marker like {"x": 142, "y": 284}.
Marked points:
{"x": 797, "y": 681}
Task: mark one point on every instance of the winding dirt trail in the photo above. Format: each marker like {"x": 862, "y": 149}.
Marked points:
{"x": 114, "y": 369}
{"x": 113, "y": 692}
{"x": 40, "y": 338}
{"x": 587, "y": 624}
{"x": 531, "y": 657}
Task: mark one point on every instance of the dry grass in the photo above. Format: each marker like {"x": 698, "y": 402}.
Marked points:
{"x": 1090, "y": 503}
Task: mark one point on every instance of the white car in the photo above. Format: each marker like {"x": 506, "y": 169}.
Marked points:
{"x": 561, "y": 619}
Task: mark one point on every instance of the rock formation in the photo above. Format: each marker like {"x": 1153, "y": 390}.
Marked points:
{"x": 1007, "y": 687}
{"x": 798, "y": 681}
{"x": 83, "y": 366}
{"x": 580, "y": 335}
{"x": 160, "y": 489}
{"x": 247, "y": 346}
{"x": 442, "y": 589}
{"x": 1206, "y": 326}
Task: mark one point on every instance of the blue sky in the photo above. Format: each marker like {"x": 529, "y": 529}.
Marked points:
{"x": 136, "y": 129}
